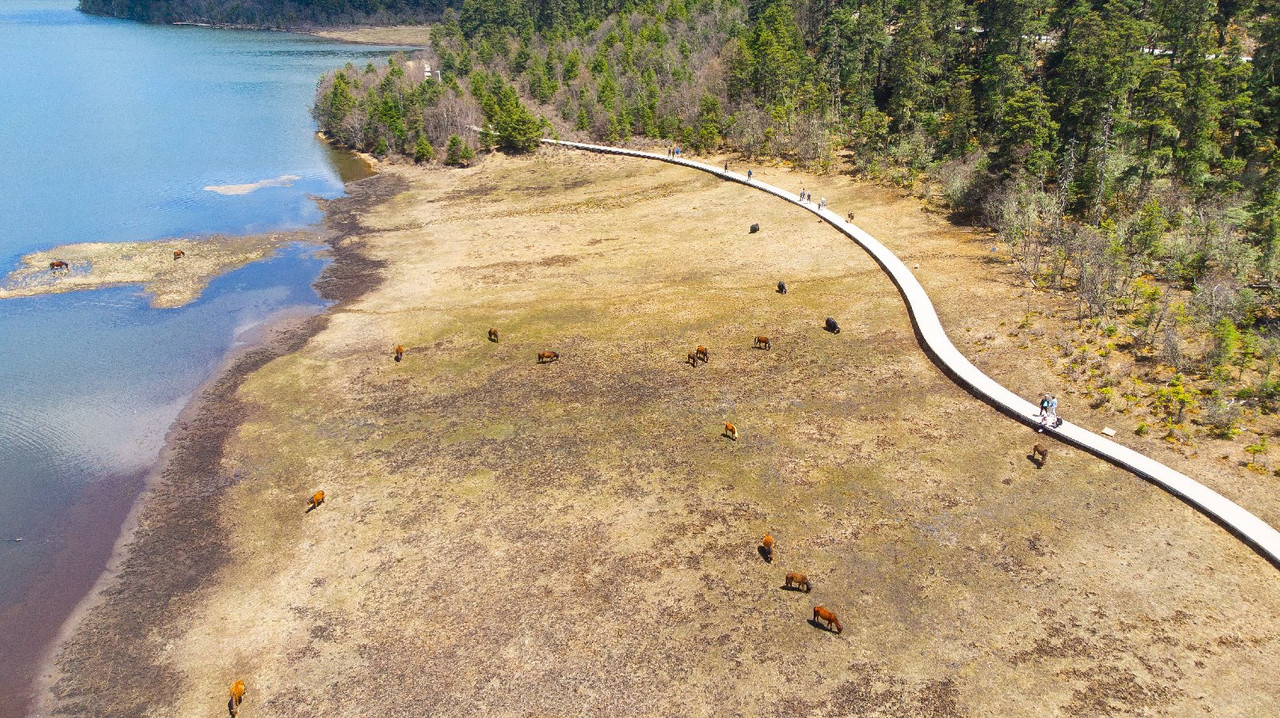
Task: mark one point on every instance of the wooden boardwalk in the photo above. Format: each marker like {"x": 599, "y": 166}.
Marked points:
{"x": 1231, "y": 516}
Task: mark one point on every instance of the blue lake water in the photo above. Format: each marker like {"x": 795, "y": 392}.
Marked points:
{"x": 111, "y": 130}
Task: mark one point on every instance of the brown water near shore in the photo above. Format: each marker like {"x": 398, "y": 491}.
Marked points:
{"x": 167, "y": 514}
{"x": 89, "y": 529}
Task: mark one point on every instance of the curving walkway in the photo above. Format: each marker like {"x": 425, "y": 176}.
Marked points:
{"x": 1249, "y": 528}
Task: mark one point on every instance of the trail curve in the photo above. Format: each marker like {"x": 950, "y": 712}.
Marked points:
{"x": 933, "y": 339}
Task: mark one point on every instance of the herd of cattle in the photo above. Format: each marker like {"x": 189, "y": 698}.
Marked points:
{"x": 792, "y": 582}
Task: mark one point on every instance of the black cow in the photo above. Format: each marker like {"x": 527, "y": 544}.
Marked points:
{"x": 782, "y": 287}
{"x": 832, "y": 326}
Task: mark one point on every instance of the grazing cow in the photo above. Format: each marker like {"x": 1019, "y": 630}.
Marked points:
{"x": 547, "y": 357}
{"x": 693, "y": 359}
{"x": 315, "y": 502}
{"x": 701, "y": 353}
{"x": 493, "y": 335}
{"x": 237, "y": 695}
{"x": 820, "y": 613}
{"x": 799, "y": 580}
{"x": 1041, "y": 451}
{"x": 782, "y": 287}
{"x": 766, "y": 548}
{"x": 59, "y": 264}
{"x": 755, "y": 228}
{"x": 831, "y": 326}
{"x": 399, "y": 352}
{"x": 178, "y": 254}
{"x": 763, "y": 343}
{"x": 731, "y": 431}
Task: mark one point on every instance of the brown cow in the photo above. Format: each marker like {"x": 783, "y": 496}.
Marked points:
{"x": 701, "y": 351}
{"x": 59, "y": 264}
{"x": 315, "y": 502}
{"x": 237, "y": 695}
{"x": 178, "y": 254}
{"x": 799, "y": 580}
{"x": 1041, "y": 451}
{"x": 763, "y": 343}
{"x": 693, "y": 359}
{"x": 548, "y": 357}
{"x": 399, "y": 352}
{"x": 821, "y": 613}
{"x": 766, "y": 548}
{"x": 731, "y": 431}
{"x": 493, "y": 335}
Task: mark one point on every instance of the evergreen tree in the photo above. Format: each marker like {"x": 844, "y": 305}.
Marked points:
{"x": 423, "y": 151}
{"x": 912, "y": 58}
{"x": 853, "y": 42}
{"x": 457, "y": 152}
{"x": 1027, "y": 135}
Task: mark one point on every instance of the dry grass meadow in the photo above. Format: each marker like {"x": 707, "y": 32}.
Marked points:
{"x": 504, "y": 538}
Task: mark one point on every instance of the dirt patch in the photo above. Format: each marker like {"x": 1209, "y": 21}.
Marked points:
{"x": 512, "y": 538}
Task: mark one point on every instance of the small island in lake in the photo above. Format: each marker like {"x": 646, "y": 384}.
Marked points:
{"x": 173, "y": 271}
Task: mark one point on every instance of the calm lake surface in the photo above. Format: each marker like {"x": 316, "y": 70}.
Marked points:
{"x": 111, "y": 130}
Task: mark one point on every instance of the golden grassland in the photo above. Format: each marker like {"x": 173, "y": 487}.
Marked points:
{"x": 577, "y": 538}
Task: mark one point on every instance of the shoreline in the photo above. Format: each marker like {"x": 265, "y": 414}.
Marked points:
{"x": 349, "y": 34}
{"x": 161, "y": 532}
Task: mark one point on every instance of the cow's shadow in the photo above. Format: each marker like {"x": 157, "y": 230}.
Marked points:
{"x": 1039, "y": 462}
{"x": 822, "y": 626}
{"x": 797, "y": 589}
{"x": 765, "y": 554}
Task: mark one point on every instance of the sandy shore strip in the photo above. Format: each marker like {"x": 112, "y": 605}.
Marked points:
{"x": 171, "y": 282}
{"x": 407, "y": 35}
{"x": 579, "y": 537}
{"x": 250, "y": 187}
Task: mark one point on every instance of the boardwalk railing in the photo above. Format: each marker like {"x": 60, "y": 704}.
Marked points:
{"x": 1231, "y": 516}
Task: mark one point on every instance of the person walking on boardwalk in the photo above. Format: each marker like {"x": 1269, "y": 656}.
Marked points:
{"x": 822, "y": 203}
{"x": 1053, "y": 411}
{"x": 1044, "y": 411}
{"x": 748, "y": 175}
